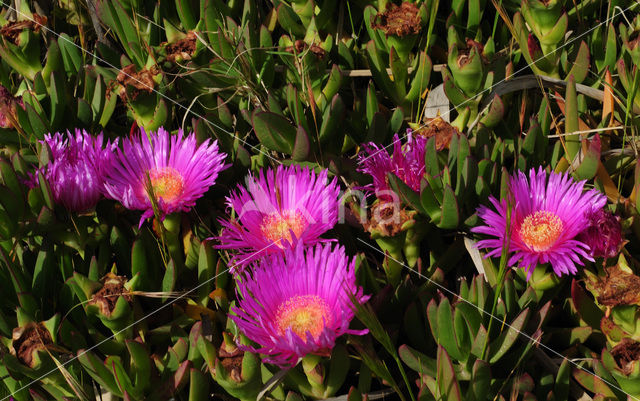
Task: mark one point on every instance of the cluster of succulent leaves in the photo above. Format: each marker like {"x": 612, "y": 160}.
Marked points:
{"x": 93, "y": 304}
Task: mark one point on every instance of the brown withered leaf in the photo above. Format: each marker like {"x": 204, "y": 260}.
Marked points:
{"x": 442, "y": 130}
{"x": 182, "y": 49}
{"x": 231, "y": 360}
{"x": 12, "y": 30}
{"x": 140, "y": 81}
{"x": 107, "y": 296}
{"x": 402, "y": 20}
{"x": 616, "y": 288}
{"x": 625, "y": 353}
{"x": 299, "y": 46}
{"x": 386, "y": 219}
{"x": 28, "y": 339}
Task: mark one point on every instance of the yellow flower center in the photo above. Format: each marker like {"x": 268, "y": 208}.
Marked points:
{"x": 303, "y": 313}
{"x": 540, "y": 230}
{"x": 167, "y": 183}
{"x": 277, "y": 226}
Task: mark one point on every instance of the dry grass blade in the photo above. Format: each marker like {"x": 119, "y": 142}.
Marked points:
{"x": 71, "y": 381}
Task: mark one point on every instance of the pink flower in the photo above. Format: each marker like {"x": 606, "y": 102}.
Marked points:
{"x": 548, "y": 213}
{"x": 278, "y": 209}
{"x": 178, "y": 170}
{"x": 407, "y": 162}
{"x": 297, "y": 303}
{"x": 76, "y": 170}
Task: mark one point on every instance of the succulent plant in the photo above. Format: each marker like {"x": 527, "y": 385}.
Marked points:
{"x": 393, "y": 34}
{"x": 93, "y": 302}
{"x": 544, "y": 46}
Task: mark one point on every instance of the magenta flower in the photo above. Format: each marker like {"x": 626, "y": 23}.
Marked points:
{"x": 178, "y": 170}
{"x": 277, "y": 210}
{"x": 304, "y": 307}
{"x": 407, "y": 162}
{"x": 603, "y": 234}
{"x": 76, "y": 170}
{"x": 547, "y": 215}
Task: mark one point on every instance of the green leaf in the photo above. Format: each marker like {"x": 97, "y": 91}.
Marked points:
{"x": 54, "y": 60}
{"x": 420, "y": 81}
{"x": 46, "y": 191}
{"x": 207, "y": 258}
{"x": 417, "y": 361}
{"x": 71, "y": 55}
{"x": 406, "y": 194}
{"x": 140, "y": 365}
{"x": 503, "y": 343}
{"x": 585, "y": 306}
{"x": 139, "y": 263}
{"x": 296, "y": 108}
{"x": 39, "y": 124}
{"x": 447, "y": 380}
{"x": 397, "y": 118}
{"x": 109, "y": 108}
{"x": 561, "y": 387}
{"x": 10, "y": 179}
{"x": 117, "y": 18}
{"x": 432, "y": 165}
{"x": 379, "y": 72}
{"x": 371, "y": 102}
{"x": 399, "y": 71}
{"x": 444, "y": 332}
{"x": 571, "y": 119}
{"x": 462, "y": 336}
{"x": 122, "y": 379}
{"x": 494, "y": 114}
{"x": 334, "y": 82}
{"x": 580, "y": 67}
{"x": 224, "y": 114}
{"x": 302, "y": 145}
{"x": 186, "y": 13}
{"x": 85, "y": 114}
{"x": 338, "y": 369}
{"x": 289, "y": 21}
{"x": 99, "y": 372}
{"x": 170, "y": 278}
{"x": 454, "y": 94}
{"x": 98, "y": 98}
{"x": 330, "y": 134}
{"x": 450, "y": 213}
{"x": 611, "y": 49}
{"x": 591, "y": 159}
{"x": 198, "y": 385}
{"x": 593, "y": 383}
{"x": 480, "y": 380}
{"x": 43, "y": 273}
{"x": 274, "y": 131}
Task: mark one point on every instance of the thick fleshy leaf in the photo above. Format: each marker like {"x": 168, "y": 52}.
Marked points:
{"x": 274, "y": 131}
